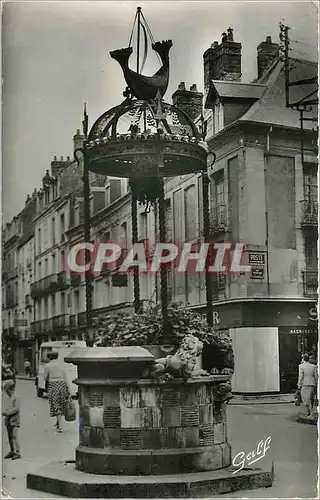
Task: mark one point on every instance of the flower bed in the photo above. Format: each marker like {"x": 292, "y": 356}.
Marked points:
{"x": 123, "y": 329}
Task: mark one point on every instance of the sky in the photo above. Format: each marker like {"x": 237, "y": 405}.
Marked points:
{"x": 55, "y": 57}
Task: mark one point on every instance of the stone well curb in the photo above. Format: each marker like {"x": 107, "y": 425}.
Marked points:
{"x": 236, "y": 400}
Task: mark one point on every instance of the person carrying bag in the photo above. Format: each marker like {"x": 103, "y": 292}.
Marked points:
{"x": 70, "y": 414}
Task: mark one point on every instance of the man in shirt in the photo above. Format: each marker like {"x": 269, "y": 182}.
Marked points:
{"x": 307, "y": 383}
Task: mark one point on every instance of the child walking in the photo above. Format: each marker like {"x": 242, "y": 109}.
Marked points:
{"x": 11, "y": 413}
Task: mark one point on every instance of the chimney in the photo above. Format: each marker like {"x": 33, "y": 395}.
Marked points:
{"x": 222, "y": 61}
{"x": 190, "y": 101}
{"x": 78, "y": 140}
{"x": 57, "y": 166}
{"x": 266, "y": 53}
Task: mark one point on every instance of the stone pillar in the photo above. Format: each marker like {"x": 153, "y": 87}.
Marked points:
{"x": 135, "y": 426}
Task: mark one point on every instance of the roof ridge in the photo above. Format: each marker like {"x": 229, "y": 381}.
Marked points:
{"x": 272, "y": 78}
{"x": 238, "y": 83}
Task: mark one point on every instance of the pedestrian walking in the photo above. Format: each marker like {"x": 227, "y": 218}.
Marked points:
{"x": 58, "y": 391}
{"x": 11, "y": 412}
{"x": 307, "y": 383}
{"x": 27, "y": 368}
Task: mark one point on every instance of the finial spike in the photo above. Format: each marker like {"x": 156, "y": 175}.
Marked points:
{"x": 85, "y": 120}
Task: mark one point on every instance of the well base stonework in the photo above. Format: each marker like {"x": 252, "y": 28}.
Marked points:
{"x": 142, "y": 438}
{"x": 63, "y": 479}
{"x": 144, "y": 427}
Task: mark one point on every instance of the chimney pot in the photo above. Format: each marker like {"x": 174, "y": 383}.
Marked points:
{"x": 222, "y": 64}
{"x": 266, "y": 53}
{"x": 193, "y": 88}
{"x": 78, "y": 131}
{"x": 182, "y": 86}
{"x": 61, "y": 159}
{"x": 55, "y": 158}
{"x": 68, "y": 158}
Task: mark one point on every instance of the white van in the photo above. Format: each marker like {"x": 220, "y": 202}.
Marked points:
{"x": 64, "y": 349}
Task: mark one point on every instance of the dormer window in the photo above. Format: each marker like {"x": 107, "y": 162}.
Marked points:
{"x": 218, "y": 117}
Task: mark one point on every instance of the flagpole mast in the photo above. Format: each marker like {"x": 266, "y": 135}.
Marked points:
{"x": 138, "y": 38}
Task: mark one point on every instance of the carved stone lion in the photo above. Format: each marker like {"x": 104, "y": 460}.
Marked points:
{"x": 182, "y": 363}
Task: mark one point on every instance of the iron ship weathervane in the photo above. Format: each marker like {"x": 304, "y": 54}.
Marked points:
{"x": 141, "y": 86}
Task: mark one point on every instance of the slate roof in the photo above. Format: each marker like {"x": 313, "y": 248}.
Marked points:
{"x": 271, "y": 107}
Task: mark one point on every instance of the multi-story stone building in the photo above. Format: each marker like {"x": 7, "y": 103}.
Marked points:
{"x": 50, "y": 287}
{"x": 266, "y": 198}
{"x": 10, "y": 288}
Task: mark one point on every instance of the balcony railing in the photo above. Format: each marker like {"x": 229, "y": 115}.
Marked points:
{"x": 61, "y": 281}
{"x": 75, "y": 279}
{"x": 73, "y": 321}
{"x": 45, "y": 285}
{"x": 82, "y": 319}
{"x": 60, "y": 322}
{"x": 219, "y": 282}
{"x": 309, "y": 213}
{"x": 219, "y": 219}
{"x": 310, "y": 283}
{"x": 50, "y": 325}
{"x": 49, "y": 284}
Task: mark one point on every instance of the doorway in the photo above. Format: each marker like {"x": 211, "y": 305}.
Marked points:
{"x": 291, "y": 348}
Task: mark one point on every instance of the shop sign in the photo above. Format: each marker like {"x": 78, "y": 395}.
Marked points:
{"x": 257, "y": 273}
{"x": 216, "y": 317}
{"x": 21, "y": 322}
{"x": 299, "y": 330}
{"x": 257, "y": 258}
{"x": 313, "y": 313}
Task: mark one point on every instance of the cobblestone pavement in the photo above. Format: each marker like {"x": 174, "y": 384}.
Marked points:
{"x": 293, "y": 446}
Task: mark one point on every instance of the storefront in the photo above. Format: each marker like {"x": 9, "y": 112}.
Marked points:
{"x": 269, "y": 338}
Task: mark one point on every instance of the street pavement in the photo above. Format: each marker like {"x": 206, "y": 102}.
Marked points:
{"x": 293, "y": 447}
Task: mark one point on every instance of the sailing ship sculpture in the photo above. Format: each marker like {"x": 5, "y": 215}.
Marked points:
{"x": 141, "y": 86}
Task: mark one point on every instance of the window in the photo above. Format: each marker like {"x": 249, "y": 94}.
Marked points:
{"x": 107, "y": 196}
{"x": 44, "y": 354}
{"x": 76, "y": 216}
{"x": 124, "y": 235}
{"x": 169, "y": 221}
{"x": 76, "y": 302}
{"x": 46, "y": 308}
{"x": 39, "y": 240}
{"x": 310, "y": 184}
{"x": 53, "y": 230}
{"x": 143, "y": 226}
{"x": 46, "y": 267}
{"x": 219, "y": 199}
{"x": 63, "y": 302}
{"x": 62, "y": 227}
{"x": 190, "y": 213}
{"x": 62, "y": 260}
{"x": 218, "y": 117}
{"x": 53, "y": 305}
{"x": 54, "y": 264}
{"x": 39, "y": 271}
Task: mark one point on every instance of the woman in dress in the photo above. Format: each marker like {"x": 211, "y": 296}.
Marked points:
{"x": 58, "y": 391}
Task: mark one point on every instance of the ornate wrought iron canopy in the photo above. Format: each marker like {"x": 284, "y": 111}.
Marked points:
{"x": 145, "y": 138}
